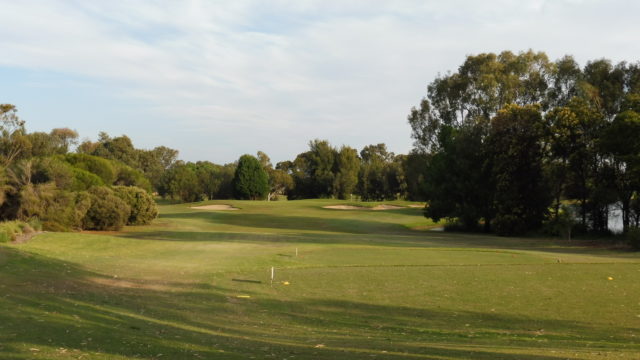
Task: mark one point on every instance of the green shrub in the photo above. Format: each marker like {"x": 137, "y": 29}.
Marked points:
{"x": 53, "y": 169}
{"x": 128, "y": 176}
{"x": 84, "y": 180}
{"x": 67, "y": 212}
{"x": 9, "y": 230}
{"x": 509, "y": 225}
{"x": 59, "y": 210}
{"x": 103, "y": 168}
{"x": 143, "y": 207}
{"x": 35, "y": 223}
{"x": 633, "y": 238}
{"x": 107, "y": 211}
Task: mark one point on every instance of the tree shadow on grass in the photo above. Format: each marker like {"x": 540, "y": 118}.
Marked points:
{"x": 64, "y": 311}
{"x": 357, "y": 231}
{"x": 299, "y": 223}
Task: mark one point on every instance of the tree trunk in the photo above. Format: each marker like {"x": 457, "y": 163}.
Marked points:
{"x": 626, "y": 207}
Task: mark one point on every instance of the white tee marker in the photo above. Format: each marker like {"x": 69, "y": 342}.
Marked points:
{"x": 273, "y": 273}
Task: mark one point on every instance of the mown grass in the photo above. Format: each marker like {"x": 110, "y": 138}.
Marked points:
{"x": 364, "y": 285}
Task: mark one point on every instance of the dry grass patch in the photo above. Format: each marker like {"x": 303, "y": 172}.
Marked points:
{"x": 127, "y": 284}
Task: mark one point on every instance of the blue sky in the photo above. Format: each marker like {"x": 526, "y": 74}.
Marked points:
{"x": 217, "y": 79}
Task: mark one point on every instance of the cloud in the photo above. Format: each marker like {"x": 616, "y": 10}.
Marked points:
{"x": 253, "y": 75}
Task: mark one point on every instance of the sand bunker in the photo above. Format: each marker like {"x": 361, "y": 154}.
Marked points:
{"x": 386, "y": 207}
{"x": 351, "y": 207}
{"x": 344, "y": 207}
{"x": 416, "y": 206}
{"x": 215, "y": 207}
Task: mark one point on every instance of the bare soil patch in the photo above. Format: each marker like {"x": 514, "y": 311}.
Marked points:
{"x": 218, "y": 207}
{"x": 23, "y": 238}
{"x": 126, "y": 284}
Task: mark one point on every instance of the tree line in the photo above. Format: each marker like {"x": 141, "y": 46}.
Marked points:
{"x": 511, "y": 141}
{"x": 64, "y": 184}
{"x": 323, "y": 171}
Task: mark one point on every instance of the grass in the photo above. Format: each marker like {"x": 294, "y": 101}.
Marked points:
{"x": 365, "y": 285}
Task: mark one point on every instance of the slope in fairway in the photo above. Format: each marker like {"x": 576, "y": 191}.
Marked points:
{"x": 364, "y": 285}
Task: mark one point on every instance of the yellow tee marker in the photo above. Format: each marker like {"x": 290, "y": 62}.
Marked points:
{"x": 609, "y": 278}
{"x": 285, "y": 283}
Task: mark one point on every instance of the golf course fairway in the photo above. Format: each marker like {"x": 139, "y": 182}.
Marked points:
{"x": 347, "y": 284}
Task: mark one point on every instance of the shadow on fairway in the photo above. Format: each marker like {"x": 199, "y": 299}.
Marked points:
{"x": 308, "y": 229}
{"x": 64, "y": 311}
{"x": 298, "y": 223}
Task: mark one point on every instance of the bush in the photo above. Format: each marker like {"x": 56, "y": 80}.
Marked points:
{"x": 53, "y": 169}
{"x": 143, "y": 207}
{"x": 64, "y": 175}
{"x": 35, "y": 223}
{"x": 9, "y": 230}
{"x": 128, "y": 176}
{"x": 509, "y": 225}
{"x": 103, "y": 168}
{"x": 633, "y": 238}
{"x": 84, "y": 180}
{"x": 59, "y": 210}
{"x": 67, "y": 212}
{"x": 107, "y": 211}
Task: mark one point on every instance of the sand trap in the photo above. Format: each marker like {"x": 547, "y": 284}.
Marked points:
{"x": 387, "y": 207}
{"x": 351, "y": 207}
{"x": 416, "y": 206}
{"x": 345, "y": 207}
{"x": 214, "y": 207}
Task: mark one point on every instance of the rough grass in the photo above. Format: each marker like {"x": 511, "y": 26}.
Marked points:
{"x": 365, "y": 285}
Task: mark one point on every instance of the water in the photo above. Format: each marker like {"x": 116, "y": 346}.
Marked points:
{"x": 615, "y": 218}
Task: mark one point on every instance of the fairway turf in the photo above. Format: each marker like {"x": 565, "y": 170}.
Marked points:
{"x": 365, "y": 285}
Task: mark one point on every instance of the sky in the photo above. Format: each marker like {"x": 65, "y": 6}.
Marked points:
{"x": 218, "y": 79}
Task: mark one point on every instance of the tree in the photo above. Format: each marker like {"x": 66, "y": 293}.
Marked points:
{"x": 64, "y": 137}
{"x": 457, "y": 179}
{"x": 313, "y": 171}
{"x": 250, "y": 180}
{"x": 415, "y": 166}
{"x": 621, "y": 140}
{"x": 227, "y": 173}
{"x": 12, "y": 139}
{"x": 118, "y": 148}
{"x": 521, "y": 193}
{"x": 153, "y": 163}
{"x": 346, "y": 178}
{"x": 280, "y": 181}
{"x": 321, "y": 160}
{"x": 209, "y": 178}
{"x": 181, "y": 182}
{"x": 381, "y": 175}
